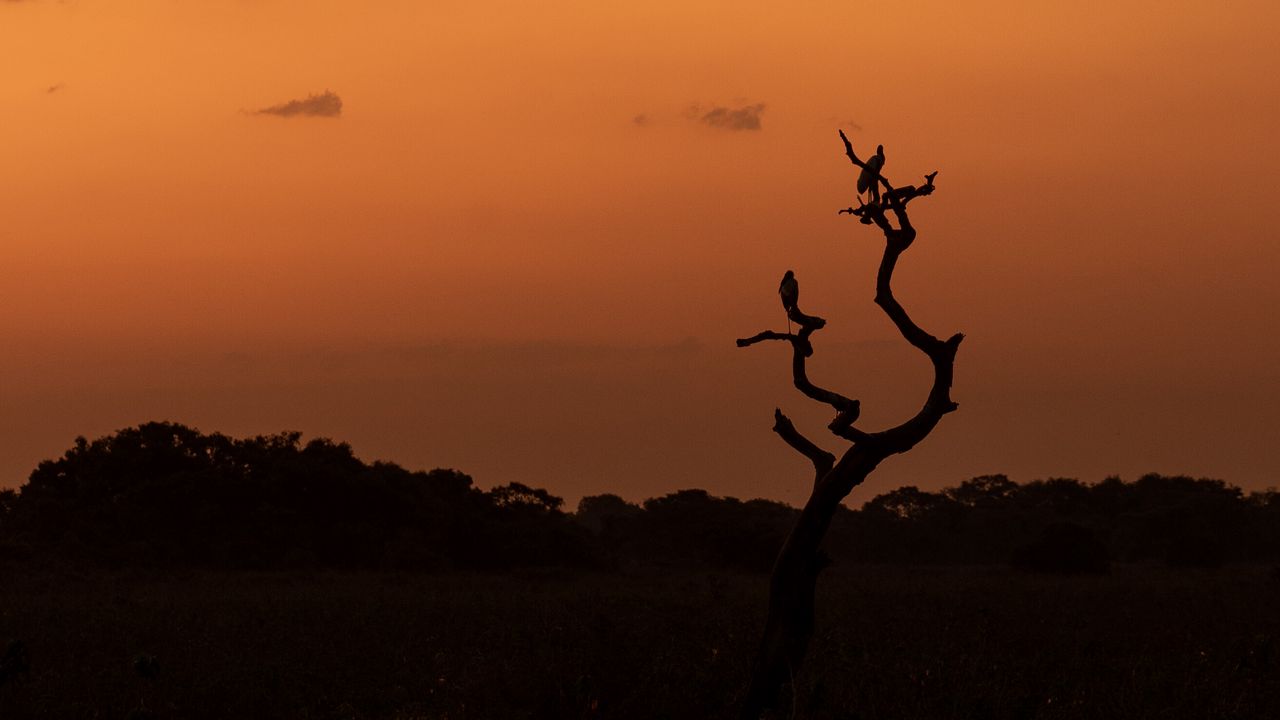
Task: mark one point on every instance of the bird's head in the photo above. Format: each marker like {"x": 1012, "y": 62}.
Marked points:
{"x": 789, "y": 275}
{"x": 880, "y": 150}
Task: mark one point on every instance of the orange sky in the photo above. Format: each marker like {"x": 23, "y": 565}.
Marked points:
{"x": 487, "y": 263}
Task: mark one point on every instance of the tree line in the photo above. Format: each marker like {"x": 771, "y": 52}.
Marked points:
{"x": 166, "y": 495}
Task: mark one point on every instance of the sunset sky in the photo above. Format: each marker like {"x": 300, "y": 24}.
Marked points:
{"x": 527, "y": 242}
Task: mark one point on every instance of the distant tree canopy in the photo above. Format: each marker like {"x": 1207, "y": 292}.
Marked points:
{"x": 1176, "y": 520}
{"x": 164, "y": 494}
{"x": 1056, "y": 525}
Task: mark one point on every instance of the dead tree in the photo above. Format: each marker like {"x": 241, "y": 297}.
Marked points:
{"x": 789, "y": 624}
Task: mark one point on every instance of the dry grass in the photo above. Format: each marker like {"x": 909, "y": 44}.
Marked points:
{"x": 893, "y": 643}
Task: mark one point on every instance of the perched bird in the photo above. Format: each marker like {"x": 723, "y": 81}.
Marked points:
{"x": 789, "y": 289}
{"x": 870, "y": 177}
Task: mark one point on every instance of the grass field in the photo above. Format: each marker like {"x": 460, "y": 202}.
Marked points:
{"x": 891, "y": 643}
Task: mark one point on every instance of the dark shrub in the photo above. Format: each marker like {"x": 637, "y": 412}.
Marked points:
{"x": 1196, "y": 550}
{"x": 166, "y": 495}
{"x": 1065, "y": 549}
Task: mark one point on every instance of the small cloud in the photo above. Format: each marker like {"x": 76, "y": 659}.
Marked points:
{"x": 746, "y": 117}
{"x": 641, "y": 120}
{"x": 52, "y": 88}
{"x": 326, "y": 104}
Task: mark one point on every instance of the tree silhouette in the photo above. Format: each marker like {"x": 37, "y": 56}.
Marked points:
{"x": 519, "y": 495}
{"x": 789, "y": 624}
{"x": 166, "y": 495}
{"x": 602, "y": 513}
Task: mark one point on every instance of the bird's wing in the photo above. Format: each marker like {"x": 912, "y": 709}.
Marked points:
{"x": 869, "y": 177}
{"x": 790, "y": 292}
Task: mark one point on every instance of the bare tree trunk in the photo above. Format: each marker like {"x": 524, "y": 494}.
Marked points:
{"x": 790, "y": 621}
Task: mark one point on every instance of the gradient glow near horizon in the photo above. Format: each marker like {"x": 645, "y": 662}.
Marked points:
{"x": 524, "y": 248}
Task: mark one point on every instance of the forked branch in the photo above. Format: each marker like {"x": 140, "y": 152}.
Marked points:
{"x": 847, "y": 409}
{"x": 821, "y": 459}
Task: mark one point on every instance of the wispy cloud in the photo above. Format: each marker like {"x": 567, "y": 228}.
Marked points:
{"x": 326, "y": 104}
{"x": 746, "y": 117}
{"x": 52, "y": 88}
{"x": 641, "y": 120}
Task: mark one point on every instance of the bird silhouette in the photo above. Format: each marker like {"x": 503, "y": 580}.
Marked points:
{"x": 869, "y": 179}
{"x": 789, "y": 289}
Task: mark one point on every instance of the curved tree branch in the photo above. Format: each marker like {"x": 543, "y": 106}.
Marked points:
{"x": 766, "y": 335}
{"x": 847, "y": 409}
{"x": 821, "y": 459}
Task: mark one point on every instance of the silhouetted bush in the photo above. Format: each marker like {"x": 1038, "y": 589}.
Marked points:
{"x": 1191, "y": 549}
{"x": 693, "y": 528}
{"x": 602, "y": 514}
{"x": 1065, "y": 549}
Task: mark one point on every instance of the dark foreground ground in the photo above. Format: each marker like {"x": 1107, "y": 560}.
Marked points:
{"x": 892, "y": 643}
